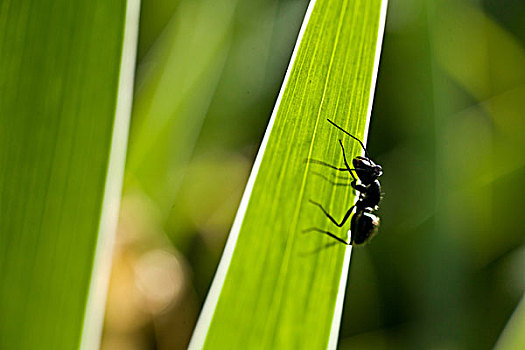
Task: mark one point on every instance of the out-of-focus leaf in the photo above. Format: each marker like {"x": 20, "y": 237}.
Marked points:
{"x": 491, "y": 64}
{"x": 513, "y": 336}
{"x": 65, "y": 95}
{"x": 176, "y": 82}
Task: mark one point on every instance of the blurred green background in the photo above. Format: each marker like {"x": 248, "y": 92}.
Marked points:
{"x": 446, "y": 270}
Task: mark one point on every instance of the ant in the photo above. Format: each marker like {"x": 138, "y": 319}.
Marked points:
{"x": 364, "y": 223}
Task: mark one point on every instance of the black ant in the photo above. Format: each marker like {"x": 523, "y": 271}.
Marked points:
{"x": 364, "y": 223}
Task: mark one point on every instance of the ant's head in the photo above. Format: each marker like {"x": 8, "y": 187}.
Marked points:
{"x": 366, "y": 169}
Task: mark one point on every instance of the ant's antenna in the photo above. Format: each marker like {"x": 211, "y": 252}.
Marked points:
{"x": 352, "y": 136}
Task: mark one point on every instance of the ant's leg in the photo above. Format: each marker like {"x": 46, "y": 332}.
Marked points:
{"x": 354, "y": 184}
{"x": 315, "y": 161}
{"x": 333, "y": 182}
{"x": 347, "y": 215}
{"x": 346, "y": 162}
{"x": 327, "y": 233}
{"x": 358, "y": 187}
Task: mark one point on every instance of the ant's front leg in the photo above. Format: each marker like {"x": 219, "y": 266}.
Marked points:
{"x": 346, "y": 162}
{"x": 345, "y": 218}
{"x": 354, "y": 184}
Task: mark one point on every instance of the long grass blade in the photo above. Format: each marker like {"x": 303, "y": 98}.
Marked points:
{"x": 278, "y": 287}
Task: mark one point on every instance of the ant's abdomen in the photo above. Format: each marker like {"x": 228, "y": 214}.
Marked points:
{"x": 364, "y": 227}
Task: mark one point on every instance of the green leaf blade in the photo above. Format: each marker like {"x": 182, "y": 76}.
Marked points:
{"x": 512, "y": 336}
{"x": 282, "y": 285}
{"x": 61, "y": 71}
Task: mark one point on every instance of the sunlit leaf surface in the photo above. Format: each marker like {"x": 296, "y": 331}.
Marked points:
{"x": 277, "y": 287}
{"x": 513, "y": 336}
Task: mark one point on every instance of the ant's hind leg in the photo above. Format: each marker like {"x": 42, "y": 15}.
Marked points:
{"x": 328, "y": 234}
{"x": 345, "y": 218}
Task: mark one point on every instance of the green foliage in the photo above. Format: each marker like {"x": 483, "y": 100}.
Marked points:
{"x": 173, "y": 95}
{"x": 513, "y": 336}
{"x": 281, "y": 285}
{"x": 62, "y": 117}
